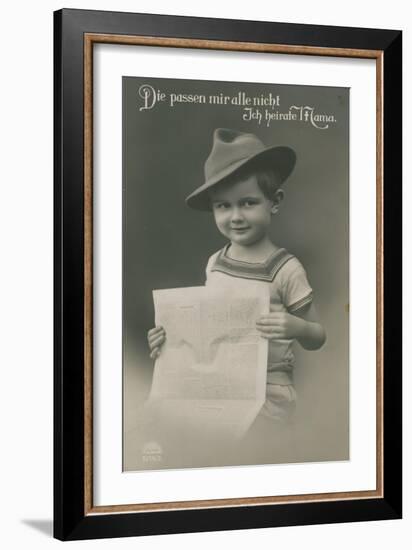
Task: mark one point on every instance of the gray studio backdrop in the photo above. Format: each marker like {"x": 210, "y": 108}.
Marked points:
{"x": 166, "y": 244}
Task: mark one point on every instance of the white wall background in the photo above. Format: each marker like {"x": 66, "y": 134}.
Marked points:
{"x": 26, "y": 324}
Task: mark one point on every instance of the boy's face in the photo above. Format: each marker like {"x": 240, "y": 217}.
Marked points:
{"x": 242, "y": 212}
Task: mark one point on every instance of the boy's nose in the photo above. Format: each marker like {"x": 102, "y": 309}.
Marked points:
{"x": 236, "y": 215}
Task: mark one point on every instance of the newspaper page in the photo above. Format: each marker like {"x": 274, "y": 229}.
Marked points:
{"x": 211, "y": 372}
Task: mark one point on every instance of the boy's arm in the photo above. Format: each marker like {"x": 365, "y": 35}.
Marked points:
{"x": 311, "y": 334}
{"x": 302, "y": 321}
{"x": 303, "y": 325}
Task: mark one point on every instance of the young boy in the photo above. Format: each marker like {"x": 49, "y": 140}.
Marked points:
{"x": 242, "y": 188}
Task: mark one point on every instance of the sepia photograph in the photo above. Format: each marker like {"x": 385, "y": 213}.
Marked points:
{"x": 235, "y": 277}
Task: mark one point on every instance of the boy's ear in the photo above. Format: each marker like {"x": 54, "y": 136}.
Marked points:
{"x": 277, "y": 199}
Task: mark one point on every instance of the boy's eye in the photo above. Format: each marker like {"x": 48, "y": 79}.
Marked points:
{"x": 249, "y": 203}
{"x": 221, "y": 206}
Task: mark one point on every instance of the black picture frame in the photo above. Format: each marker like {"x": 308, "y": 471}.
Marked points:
{"x": 74, "y": 515}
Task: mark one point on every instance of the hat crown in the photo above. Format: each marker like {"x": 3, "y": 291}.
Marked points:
{"x": 230, "y": 147}
{"x": 232, "y": 151}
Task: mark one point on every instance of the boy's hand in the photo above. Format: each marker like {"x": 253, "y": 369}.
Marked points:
{"x": 156, "y": 338}
{"x": 280, "y": 325}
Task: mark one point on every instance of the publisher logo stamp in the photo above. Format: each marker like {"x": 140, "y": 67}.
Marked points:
{"x": 152, "y": 452}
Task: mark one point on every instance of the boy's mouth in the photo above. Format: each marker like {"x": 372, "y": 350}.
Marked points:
{"x": 239, "y": 228}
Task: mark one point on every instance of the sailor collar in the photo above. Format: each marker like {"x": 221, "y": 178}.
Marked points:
{"x": 262, "y": 271}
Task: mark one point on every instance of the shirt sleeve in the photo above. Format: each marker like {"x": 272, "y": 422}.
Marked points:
{"x": 296, "y": 290}
{"x": 207, "y": 271}
{"x": 209, "y": 266}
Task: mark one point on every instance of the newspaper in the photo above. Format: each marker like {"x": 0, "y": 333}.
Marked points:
{"x": 211, "y": 372}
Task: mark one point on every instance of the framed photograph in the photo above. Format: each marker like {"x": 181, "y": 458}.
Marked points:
{"x": 227, "y": 274}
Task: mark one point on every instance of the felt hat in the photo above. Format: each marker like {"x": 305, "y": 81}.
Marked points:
{"x": 233, "y": 150}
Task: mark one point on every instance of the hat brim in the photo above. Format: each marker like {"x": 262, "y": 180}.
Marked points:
{"x": 281, "y": 158}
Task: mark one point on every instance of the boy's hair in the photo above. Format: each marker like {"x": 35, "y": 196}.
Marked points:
{"x": 267, "y": 179}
